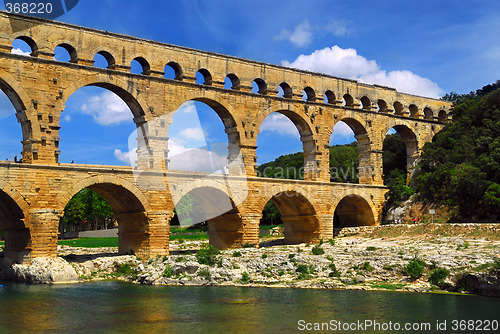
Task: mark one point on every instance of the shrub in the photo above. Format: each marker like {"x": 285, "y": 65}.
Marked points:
{"x": 331, "y": 241}
{"x": 247, "y": 245}
{"x": 317, "y": 250}
{"x": 207, "y": 255}
{"x": 438, "y": 275}
{"x": 415, "y": 268}
{"x": 291, "y": 256}
{"x": 168, "y": 271}
{"x": 371, "y": 248}
{"x": 236, "y": 254}
{"x": 366, "y": 266}
{"x": 304, "y": 271}
{"x": 264, "y": 256}
{"x": 245, "y": 277}
{"x": 205, "y": 273}
{"x": 334, "y": 272}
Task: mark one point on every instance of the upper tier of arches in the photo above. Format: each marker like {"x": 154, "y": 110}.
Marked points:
{"x": 121, "y": 52}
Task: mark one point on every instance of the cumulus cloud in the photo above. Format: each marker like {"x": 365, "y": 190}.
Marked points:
{"x": 193, "y": 133}
{"x": 341, "y": 129}
{"x": 18, "y": 51}
{"x": 127, "y": 157}
{"x": 303, "y": 34}
{"x": 347, "y": 63}
{"x": 194, "y": 159}
{"x": 281, "y": 124}
{"x": 107, "y": 109}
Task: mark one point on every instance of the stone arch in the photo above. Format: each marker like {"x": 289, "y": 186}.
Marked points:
{"x": 71, "y": 51}
{"x": 218, "y": 208}
{"x": 108, "y": 56}
{"x": 382, "y": 106}
{"x": 28, "y": 40}
{"x": 129, "y": 205}
{"x": 398, "y": 108}
{"x": 287, "y": 90}
{"x": 348, "y": 100}
{"x": 14, "y": 221}
{"x": 207, "y": 76}
{"x": 262, "y": 85}
{"x": 235, "y": 81}
{"x": 442, "y": 116}
{"x": 178, "y": 73}
{"x": 126, "y": 92}
{"x": 414, "y": 111}
{"x": 146, "y": 68}
{"x": 353, "y": 210}
{"x": 330, "y": 97}
{"x": 365, "y": 103}
{"x": 409, "y": 134}
{"x": 298, "y": 214}
{"x": 310, "y": 94}
{"x": 428, "y": 113}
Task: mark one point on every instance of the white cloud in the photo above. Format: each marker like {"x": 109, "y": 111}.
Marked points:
{"x": 281, "y": 124}
{"x": 107, "y": 109}
{"x": 127, "y": 157}
{"x": 341, "y": 129}
{"x": 193, "y": 133}
{"x": 18, "y": 51}
{"x": 67, "y": 118}
{"x": 194, "y": 159}
{"x": 301, "y": 35}
{"x": 346, "y": 63}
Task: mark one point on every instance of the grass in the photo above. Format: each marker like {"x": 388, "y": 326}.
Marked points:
{"x": 387, "y": 286}
{"x": 192, "y": 237}
{"x": 90, "y": 242}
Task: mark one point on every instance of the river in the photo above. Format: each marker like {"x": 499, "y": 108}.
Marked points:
{"x": 118, "y": 307}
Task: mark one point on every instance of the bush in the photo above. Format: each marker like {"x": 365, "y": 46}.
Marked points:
{"x": 331, "y": 242}
{"x": 334, "y": 272}
{"x": 371, "y": 248}
{"x": 236, "y": 254}
{"x": 245, "y": 277}
{"x": 205, "y": 273}
{"x": 304, "y": 271}
{"x": 317, "y": 250}
{"x": 366, "y": 266}
{"x": 438, "y": 275}
{"x": 291, "y": 256}
{"x": 264, "y": 256}
{"x": 207, "y": 255}
{"x": 415, "y": 268}
{"x": 168, "y": 271}
{"x": 247, "y": 245}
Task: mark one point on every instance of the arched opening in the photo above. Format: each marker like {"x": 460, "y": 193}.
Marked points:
{"x": 329, "y": 97}
{"x": 348, "y": 101}
{"x": 382, "y": 106}
{"x": 140, "y": 66}
{"x": 13, "y": 232}
{"x": 96, "y": 125}
{"x": 24, "y": 46}
{"x": 102, "y": 207}
{"x": 349, "y": 144}
{"x": 65, "y": 53}
{"x": 212, "y": 205}
{"x": 259, "y": 86}
{"x": 297, "y": 215}
{"x": 365, "y": 103}
{"x": 442, "y": 116}
{"x": 395, "y": 169}
{"x": 428, "y": 113}
{"x": 198, "y": 141}
{"x": 10, "y": 104}
{"x": 285, "y": 91}
{"x": 279, "y": 146}
{"x": 203, "y": 77}
{"x": 232, "y": 82}
{"x": 308, "y": 94}
{"x": 398, "y": 108}
{"x": 173, "y": 71}
{"x": 104, "y": 59}
{"x": 413, "y": 111}
{"x": 353, "y": 210}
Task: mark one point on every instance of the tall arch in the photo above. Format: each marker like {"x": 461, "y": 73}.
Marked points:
{"x": 13, "y": 210}
{"x": 297, "y": 213}
{"x": 353, "y": 210}
{"x": 411, "y": 141}
{"x": 129, "y": 205}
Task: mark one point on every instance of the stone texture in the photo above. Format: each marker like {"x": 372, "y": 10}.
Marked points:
{"x": 33, "y": 194}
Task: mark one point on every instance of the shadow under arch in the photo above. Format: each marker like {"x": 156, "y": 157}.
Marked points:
{"x": 411, "y": 141}
{"x": 13, "y": 222}
{"x": 129, "y": 205}
{"x": 353, "y": 210}
{"x": 298, "y": 216}
{"x": 225, "y": 225}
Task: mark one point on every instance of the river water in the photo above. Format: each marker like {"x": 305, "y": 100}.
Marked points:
{"x": 117, "y": 307}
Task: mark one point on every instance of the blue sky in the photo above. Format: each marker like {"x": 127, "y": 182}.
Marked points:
{"x": 423, "y": 47}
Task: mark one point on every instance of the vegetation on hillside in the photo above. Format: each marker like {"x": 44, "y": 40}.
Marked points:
{"x": 461, "y": 166}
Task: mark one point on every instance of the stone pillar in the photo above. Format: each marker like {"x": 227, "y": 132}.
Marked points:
{"x": 158, "y": 232}
{"x": 16, "y": 244}
{"x": 226, "y": 231}
{"x": 132, "y": 236}
{"x": 249, "y": 157}
{"x": 152, "y": 143}
{"x": 325, "y": 223}
{"x": 251, "y": 222}
{"x": 301, "y": 229}
{"x": 364, "y": 157}
{"x": 44, "y": 232}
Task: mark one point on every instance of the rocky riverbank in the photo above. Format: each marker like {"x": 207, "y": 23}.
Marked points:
{"x": 460, "y": 258}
